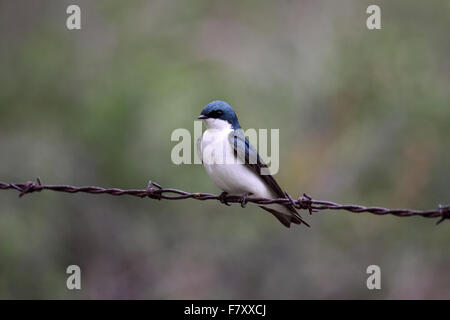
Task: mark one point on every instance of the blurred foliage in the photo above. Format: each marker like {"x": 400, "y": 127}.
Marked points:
{"x": 363, "y": 117}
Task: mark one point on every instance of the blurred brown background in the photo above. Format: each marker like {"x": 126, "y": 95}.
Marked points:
{"x": 363, "y": 116}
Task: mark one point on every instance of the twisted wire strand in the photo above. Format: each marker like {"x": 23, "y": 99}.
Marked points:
{"x": 156, "y": 191}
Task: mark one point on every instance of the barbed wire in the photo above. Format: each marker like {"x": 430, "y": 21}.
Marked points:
{"x": 156, "y": 191}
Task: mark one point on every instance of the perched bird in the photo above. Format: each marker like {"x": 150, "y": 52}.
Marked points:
{"x": 234, "y": 165}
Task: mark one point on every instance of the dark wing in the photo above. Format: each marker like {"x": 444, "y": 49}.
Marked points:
{"x": 250, "y": 157}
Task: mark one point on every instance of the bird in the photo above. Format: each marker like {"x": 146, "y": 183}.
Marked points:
{"x": 235, "y": 166}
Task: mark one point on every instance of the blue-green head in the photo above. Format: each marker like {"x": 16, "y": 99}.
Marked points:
{"x": 217, "y": 111}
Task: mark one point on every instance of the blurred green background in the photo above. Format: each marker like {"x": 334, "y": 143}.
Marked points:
{"x": 363, "y": 116}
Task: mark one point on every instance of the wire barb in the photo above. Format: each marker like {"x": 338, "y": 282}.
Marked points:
{"x": 156, "y": 191}
{"x": 305, "y": 202}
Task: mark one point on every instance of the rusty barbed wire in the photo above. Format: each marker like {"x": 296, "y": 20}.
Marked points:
{"x": 156, "y": 191}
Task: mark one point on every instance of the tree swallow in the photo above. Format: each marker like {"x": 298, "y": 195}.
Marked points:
{"x": 234, "y": 165}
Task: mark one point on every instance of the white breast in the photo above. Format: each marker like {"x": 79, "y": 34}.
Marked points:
{"x": 223, "y": 168}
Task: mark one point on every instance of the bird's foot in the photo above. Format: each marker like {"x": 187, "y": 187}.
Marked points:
{"x": 222, "y": 198}
{"x": 244, "y": 200}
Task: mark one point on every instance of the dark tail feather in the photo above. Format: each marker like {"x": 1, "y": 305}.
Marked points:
{"x": 283, "y": 218}
{"x": 298, "y": 220}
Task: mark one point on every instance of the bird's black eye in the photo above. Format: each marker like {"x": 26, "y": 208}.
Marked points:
{"x": 216, "y": 114}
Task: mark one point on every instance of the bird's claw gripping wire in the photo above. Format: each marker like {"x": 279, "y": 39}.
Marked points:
{"x": 244, "y": 200}
{"x": 223, "y": 198}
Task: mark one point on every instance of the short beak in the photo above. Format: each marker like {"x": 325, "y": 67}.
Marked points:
{"x": 202, "y": 116}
